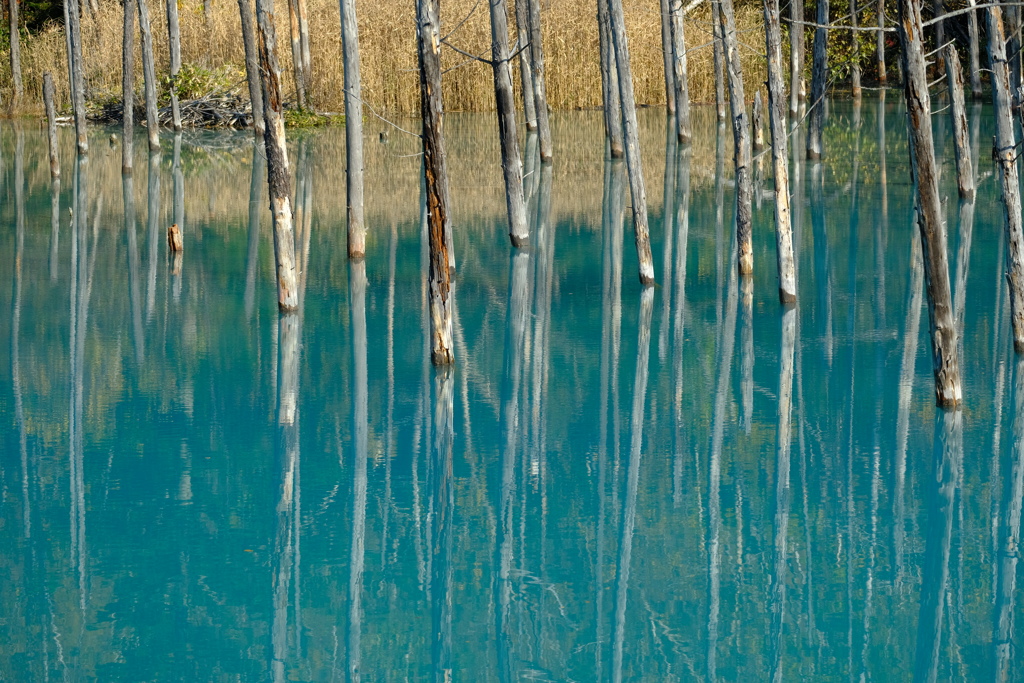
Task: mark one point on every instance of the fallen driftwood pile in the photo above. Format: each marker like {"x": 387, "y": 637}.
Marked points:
{"x": 216, "y": 110}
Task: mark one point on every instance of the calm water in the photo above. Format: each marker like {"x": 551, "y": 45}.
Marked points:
{"x": 612, "y": 484}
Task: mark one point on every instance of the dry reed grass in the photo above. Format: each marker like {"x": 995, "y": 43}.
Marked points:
{"x": 388, "y": 52}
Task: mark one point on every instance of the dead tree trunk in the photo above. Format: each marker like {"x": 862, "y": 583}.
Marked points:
{"x": 149, "y": 76}
{"x": 818, "y": 74}
{"x": 880, "y": 44}
{"x": 127, "y": 87}
{"x": 796, "y": 55}
{"x": 741, "y": 139}
{"x": 973, "y": 40}
{"x": 278, "y": 179}
{"x": 1005, "y": 154}
{"x": 511, "y": 161}
{"x": 666, "y": 55}
{"x": 51, "y": 124}
{"x": 76, "y": 78}
{"x": 780, "y": 153}
{"x": 1012, "y": 33}
{"x": 609, "y": 81}
{"x": 435, "y": 168}
{"x": 174, "y": 46}
{"x": 718, "y": 48}
{"x": 684, "y": 131}
{"x": 940, "y": 28}
{"x": 757, "y": 122}
{"x": 540, "y": 96}
{"x": 307, "y": 62}
{"x": 353, "y": 130}
{"x": 958, "y": 115}
{"x": 297, "y": 71}
{"x": 632, "y": 139}
{"x": 525, "y": 70}
{"x": 941, "y": 320}
{"x": 252, "y": 67}
{"x": 855, "y": 66}
{"x": 15, "y": 54}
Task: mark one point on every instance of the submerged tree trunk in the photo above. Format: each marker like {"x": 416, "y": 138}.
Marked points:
{"x": 353, "y": 130}
{"x": 1005, "y": 154}
{"x": 540, "y": 97}
{"x": 684, "y": 131}
{"x": 278, "y": 178}
{"x": 609, "y": 81}
{"x": 435, "y": 167}
{"x": 666, "y": 56}
{"x": 252, "y": 68}
{"x": 632, "y": 139}
{"x": 975, "y": 63}
{"x": 174, "y": 46}
{"x": 780, "y": 153}
{"x": 741, "y": 140}
{"x": 76, "y": 78}
{"x": 958, "y": 115}
{"x": 15, "y": 54}
{"x": 942, "y": 324}
{"x": 51, "y": 124}
{"x": 149, "y": 76}
{"x": 511, "y": 161}
{"x": 525, "y": 70}
{"x": 718, "y": 48}
{"x": 127, "y": 87}
{"x": 818, "y": 76}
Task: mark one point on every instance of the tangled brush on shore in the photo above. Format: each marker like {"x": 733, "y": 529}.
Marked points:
{"x": 216, "y": 110}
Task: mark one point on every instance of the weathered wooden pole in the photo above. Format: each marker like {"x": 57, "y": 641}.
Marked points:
{"x": 757, "y": 121}
{"x": 942, "y": 324}
{"x": 632, "y": 139}
{"x": 149, "y": 77}
{"x": 51, "y": 124}
{"x": 780, "y": 153}
{"x": 855, "y": 89}
{"x": 667, "y": 56}
{"x": 435, "y": 168}
{"x": 525, "y": 70}
{"x": 76, "y": 78}
{"x": 609, "y": 81}
{"x": 298, "y": 73}
{"x": 1005, "y": 155}
{"x": 718, "y": 49}
{"x": 174, "y": 47}
{"x": 819, "y": 73}
{"x": 511, "y": 161}
{"x": 684, "y": 131}
{"x": 880, "y": 44}
{"x": 353, "y": 130}
{"x": 741, "y": 140}
{"x": 796, "y": 55}
{"x": 974, "y": 50}
{"x": 278, "y": 178}
{"x": 14, "y": 52}
{"x": 958, "y": 115}
{"x": 540, "y": 96}
{"x": 128, "y": 87}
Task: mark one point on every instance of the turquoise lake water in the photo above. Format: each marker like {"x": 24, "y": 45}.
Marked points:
{"x": 615, "y": 484}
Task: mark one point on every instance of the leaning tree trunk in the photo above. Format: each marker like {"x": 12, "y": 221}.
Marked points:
{"x": 353, "y": 130}
{"x": 718, "y": 48}
{"x": 741, "y": 140}
{"x": 975, "y": 65}
{"x": 252, "y": 68}
{"x": 666, "y": 55}
{"x": 174, "y": 47}
{"x": 51, "y": 125}
{"x": 127, "y": 87}
{"x": 149, "y": 76}
{"x": 780, "y": 153}
{"x": 525, "y": 70}
{"x": 880, "y": 43}
{"x": 1005, "y": 154}
{"x": 15, "y": 53}
{"x": 297, "y": 73}
{"x": 278, "y": 178}
{"x": 540, "y": 96}
{"x": 609, "y": 81}
{"x": 958, "y": 116}
{"x": 855, "y": 65}
{"x": 942, "y": 322}
{"x": 632, "y": 139}
{"x": 435, "y": 168}
{"x": 511, "y": 161}
{"x": 796, "y": 54}
{"x": 684, "y": 130}
{"x": 818, "y": 74}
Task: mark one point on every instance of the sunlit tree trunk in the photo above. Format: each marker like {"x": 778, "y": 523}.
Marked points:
{"x": 684, "y": 131}
{"x": 14, "y": 52}
{"x": 128, "y": 87}
{"x": 796, "y": 55}
{"x": 540, "y": 96}
{"x": 666, "y": 55}
{"x": 855, "y": 39}
{"x": 609, "y": 81}
{"x": 818, "y": 75}
{"x": 525, "y": 70}
{"x": 718, "y": 48}
{"x": 174, "y": 47}
{"x": 958, "y": 116}
{"x": 354, "y": 130}
{"x": 149, "y": 76}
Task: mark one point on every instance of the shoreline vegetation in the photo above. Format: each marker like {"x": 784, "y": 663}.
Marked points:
{"x": 214, "y": 60}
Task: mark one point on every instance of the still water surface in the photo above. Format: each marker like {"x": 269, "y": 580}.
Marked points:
{"x": 612, "y": 484}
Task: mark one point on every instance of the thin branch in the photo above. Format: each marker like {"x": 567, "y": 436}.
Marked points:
{"x": 374, "y": 112}
{"x": 464, "y": 20}
{"x": 468, "y": 54}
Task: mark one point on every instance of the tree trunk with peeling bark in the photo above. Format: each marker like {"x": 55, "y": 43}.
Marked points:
{"x": 525, "y": 70}
{"x": 353, "y": 130}
{"x": 818, "y": 75}
{"x": 958, "y": 116}
{"x": 540, "y": 97}
{"x": 298, "y": 74}
{"x": 684, "y": 130}
{"x": 252, "y": 67}
{"x": 757, "y": 121}
{"x": 609, "y": 81}
{"x": 149, "y": 77}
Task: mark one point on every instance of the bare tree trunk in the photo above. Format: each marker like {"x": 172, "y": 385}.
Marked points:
{"x": 855, "y": 67}
{"x": 818, "y": 75}
{"x": 297, "y": 73}
{"x": 252, "y": 67}
{"x": 942, "y": 324}
{"x": 666, "y": 55}
{"x": 632, "y": 139}
{"x": 975, "y": 65}
{"x": 1012, "y": 32}
{"x": 307, "y": 62}
{"x": 149, "y": 76}
{"x": 174, "y": 47}
{"x": 51, "y": 124}
{"x": 540, "y": 97}
{"x": 880, "y": 44}
{"x": 15, "y": 53}
{"x": 757, "y": 122}
{"x": 278, "y": 178}
{"x": 1005, "y": 154}
{"x": 796, "y": 55}
{"x": 435, "y": 167}
{"x": 609, "y": 81}
{"x": 741, "y": 139}
{"x": 940, "y": 26}
{"x": 128, "y": 87}
{"x": 525, "y": 70}
{"x": 684, "y": 130}
{"x": 511, "y": 161}
{"x": 353, "y": 130}
{"x": 718, "y": 48}
{"x": 958, "y": 115}
{"x": 780, "y": 154}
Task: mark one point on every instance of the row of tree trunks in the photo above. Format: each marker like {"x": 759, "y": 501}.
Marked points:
{"x": 609, "y": 81}
{"x": 252, "y": 66}
{"x": 525, "y": 70}
{"x": 353, "y": 130}
{"x": 76, "y": 78}
{"x": 818, "y": 74}
{"x": 680, "y": 79}
{"x": 958, "y": 114}
{"x": 945, "y": 364}
{"x": 149, "y": 77}
{"x": 128, "y": 87}
{"x": 511, "y": 160}
{"x": 174, "y": 44}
